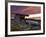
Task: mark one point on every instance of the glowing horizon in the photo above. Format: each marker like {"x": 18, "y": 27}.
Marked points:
{"x": 33, "y": 16}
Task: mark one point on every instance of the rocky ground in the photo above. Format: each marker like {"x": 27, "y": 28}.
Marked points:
{"x": 24, "y": 27}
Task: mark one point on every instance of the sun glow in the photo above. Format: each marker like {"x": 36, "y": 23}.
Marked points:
{"x": 33, "y": 16}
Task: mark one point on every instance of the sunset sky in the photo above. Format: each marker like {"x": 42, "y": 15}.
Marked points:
{"x": 25, "y": 9}
{"x": 34, "y": 12}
